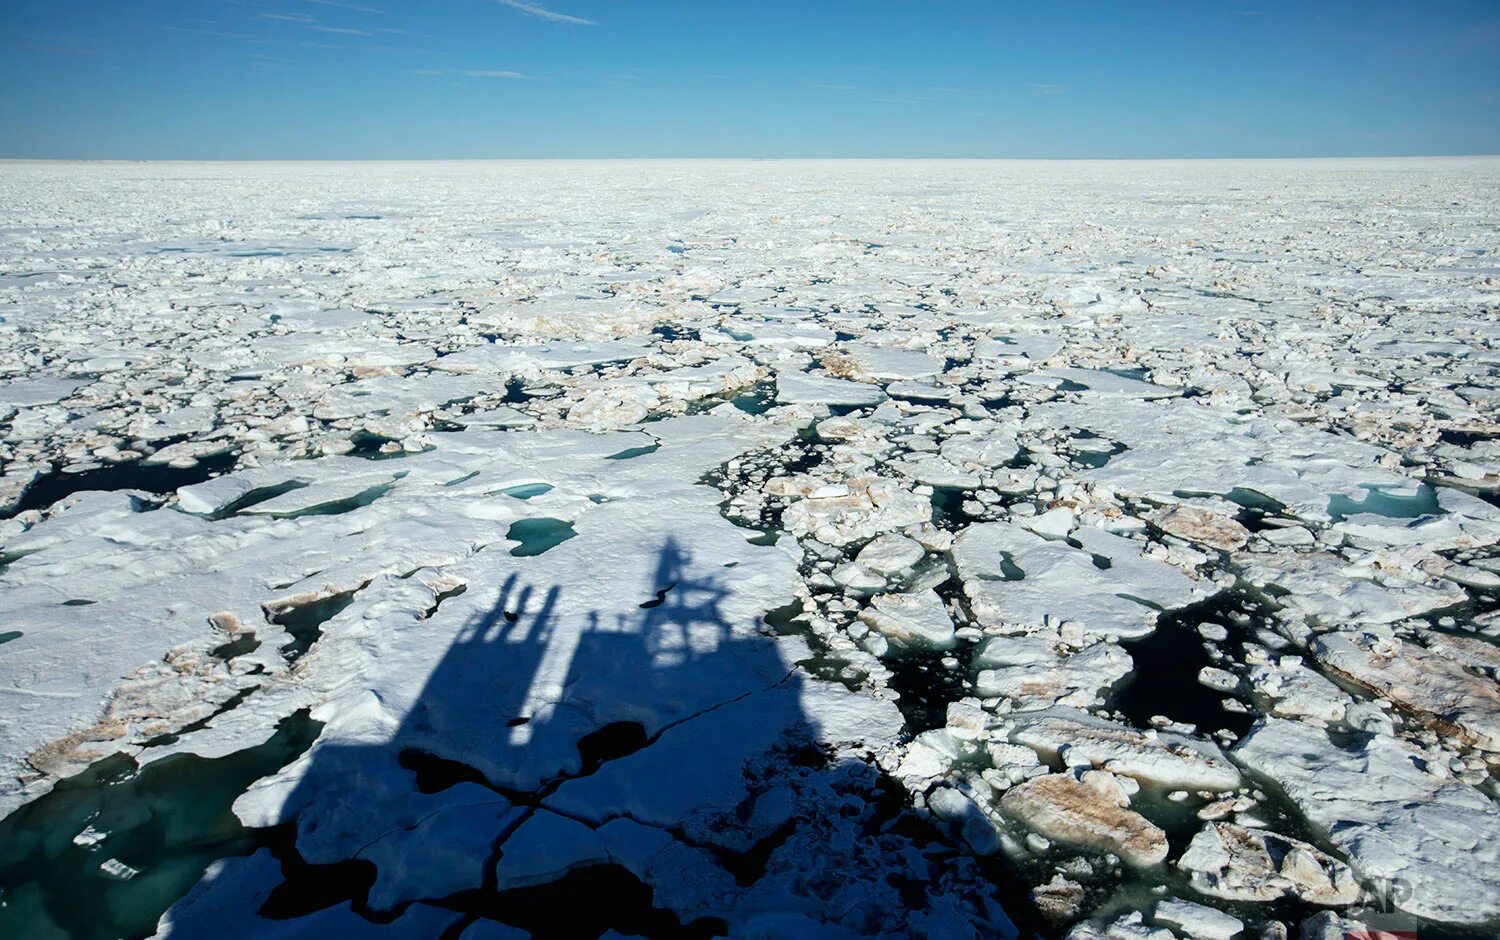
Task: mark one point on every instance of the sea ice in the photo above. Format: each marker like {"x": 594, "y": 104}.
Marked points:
{"x": 760, "y": 546}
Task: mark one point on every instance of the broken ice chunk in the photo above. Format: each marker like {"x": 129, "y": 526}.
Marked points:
{"x": 118, "y": 870}
{"x": 1168, "y": 760}
{"x": 1100, "y": 382}
{"x": 870, "y": 363}
{"x": 546, "y": 847}
{"x": 1066, "y": 810}
{"x": 1438, "y": 689}
{"x": 1197, "y": 920}
{"x": 1201, "y": 526}
{"x": 855, "y": 577}
{"x": 794, "y": 388}
{"x": 1240, "y": 864}
{"x": 1373, "y": 800}
{"x": 1107, "y": 587}
{"x": 917, "y": 619}
{"x": 890, "y": 553}
{"x": 1072, "y": 680}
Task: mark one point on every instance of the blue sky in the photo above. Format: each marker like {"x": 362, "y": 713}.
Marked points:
{"x": 316, "y": 79}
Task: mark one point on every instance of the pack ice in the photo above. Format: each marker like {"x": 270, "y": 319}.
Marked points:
{"x": 750, "y": 549}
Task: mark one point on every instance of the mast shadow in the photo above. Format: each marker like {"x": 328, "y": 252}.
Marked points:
{"x": 568, "y": 768}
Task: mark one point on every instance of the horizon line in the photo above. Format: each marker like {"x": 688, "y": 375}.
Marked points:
{"x": 753, "y": 159}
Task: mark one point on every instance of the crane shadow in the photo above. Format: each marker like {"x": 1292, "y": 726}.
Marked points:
{"x": 532, "y": 695}
{"x": 554, "y": 738}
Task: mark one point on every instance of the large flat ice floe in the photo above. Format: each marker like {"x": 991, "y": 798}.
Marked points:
{"x": 1092, "y": 550}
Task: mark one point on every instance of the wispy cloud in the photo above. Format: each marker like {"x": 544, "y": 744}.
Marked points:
{"x": 1047, "y": 90}
{"x": 825, "y": 87}
{"x": 357, "y": 8}
{"x": 468, "y": 73}
{"x": 219, "y": 34}
{"x": 311, "y": 22}
{"x": 536, "y": 9}
{"x": 909, "y": 95}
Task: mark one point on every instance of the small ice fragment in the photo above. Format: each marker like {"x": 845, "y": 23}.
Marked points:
{"x": 1052, "y": 524}
{"x": 890, "y": 553}
{"x": 89, "y": 836}
{"x": 118, "y": 870}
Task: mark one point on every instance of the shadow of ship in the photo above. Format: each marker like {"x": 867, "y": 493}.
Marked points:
{"x": 521, "y": 740}
{"x": 525, "y": 708}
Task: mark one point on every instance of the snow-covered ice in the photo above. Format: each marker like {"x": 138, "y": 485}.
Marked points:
{"x": 762, "y": 549}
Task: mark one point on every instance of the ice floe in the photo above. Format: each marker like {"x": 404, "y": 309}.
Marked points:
{"x": 772, "y": 550}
